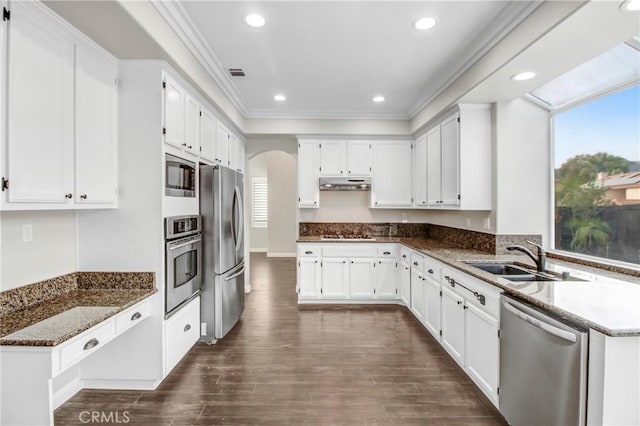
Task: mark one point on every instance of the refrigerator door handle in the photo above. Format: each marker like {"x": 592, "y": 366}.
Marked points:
{"x": 237, "y": 274}
{"x": 239, "y": 219}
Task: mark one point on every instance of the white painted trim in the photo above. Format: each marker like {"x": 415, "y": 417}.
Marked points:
{"x": 63, "y": 394}
{"x": 271, "y": 254}
{"x": 350, "y": 302}
{"x": 257, "y": 250}
{"x": 120, "y": 384}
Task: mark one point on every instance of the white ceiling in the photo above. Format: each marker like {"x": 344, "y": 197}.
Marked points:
{"x": 330, "y": 58}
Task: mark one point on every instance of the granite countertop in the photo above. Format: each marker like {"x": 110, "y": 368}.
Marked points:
{"x": 52, "y": 311}
{"x": 607, "y": 301}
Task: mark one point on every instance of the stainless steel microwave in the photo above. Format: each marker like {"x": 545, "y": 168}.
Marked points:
{"x": 180, "y": 177}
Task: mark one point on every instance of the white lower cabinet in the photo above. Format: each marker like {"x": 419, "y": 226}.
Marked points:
{"x": 481, "y": 345}
{"x": 309, "y": 278}
{"x": 182, "y": 331}
{"x": 417, "y": 293}
{"x": 386, "y": 279}
{"x": 453, "y": 324}
{"x": 432, "y": 305}
{"x": 334, "y": 277}
{"x": 362, "y": 278}
{"x": 405, "y": 283}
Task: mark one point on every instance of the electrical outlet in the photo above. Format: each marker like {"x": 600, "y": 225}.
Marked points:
{"x": 203, "y": 328}
{"x": 486, "y": 224}
{"x": 405, "y": 218}
{"x": 27, "y": 233}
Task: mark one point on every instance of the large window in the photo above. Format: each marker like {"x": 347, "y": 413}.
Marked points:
{"x": 597, "y": 177}
{"x": 260, "y": 202}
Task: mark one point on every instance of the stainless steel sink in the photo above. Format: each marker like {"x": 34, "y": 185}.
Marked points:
{"x": 512, "y": 272}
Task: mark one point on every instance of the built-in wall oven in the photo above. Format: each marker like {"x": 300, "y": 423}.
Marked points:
{"x": 180, "y": 177}
{"x": 183, "y": 261}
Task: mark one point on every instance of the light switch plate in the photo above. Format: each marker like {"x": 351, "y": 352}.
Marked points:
{"x": 27, "y": 233}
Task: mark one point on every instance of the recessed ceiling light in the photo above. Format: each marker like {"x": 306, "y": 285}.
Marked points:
{"x": 254, "y": 20}
{"x": 527, "y": 75}
{"x": 630, "y": 5}
{"x": 280, "y": 98}
{"x": 378, "y": 99}
{"x": 425, "y": 23}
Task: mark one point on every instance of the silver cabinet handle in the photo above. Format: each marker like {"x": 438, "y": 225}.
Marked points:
{"x": 308, "y": 252}
{"x": 415, "y": 263}
{"x": 69, "y": 196}
{"x": 91, "y": 344}
{"x": 136, "y": 316}
{"x": 404, "y": 256}
{"x": 187, "y": 327}
{"x": 83, "y": 196}
{"x": 387, "y": 253}
{"x": 430, "y": 271}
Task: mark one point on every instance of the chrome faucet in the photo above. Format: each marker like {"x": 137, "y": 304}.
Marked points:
{"x": 540, "y": 259}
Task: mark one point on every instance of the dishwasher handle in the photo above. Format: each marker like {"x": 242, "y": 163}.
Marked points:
{"x": 558, "y": 332}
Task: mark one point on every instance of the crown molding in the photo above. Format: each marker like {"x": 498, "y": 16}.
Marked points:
{"x": 510, "y": 17}
{"x": 326, "y": 115}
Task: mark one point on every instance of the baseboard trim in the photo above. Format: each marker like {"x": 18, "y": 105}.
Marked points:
{"x": 258, "y": 250}
{"x": 63, "y": 394}
{"x": 271, "y": 254}
{"x": 121, "y": 384}
{"x": 350, "y": 302}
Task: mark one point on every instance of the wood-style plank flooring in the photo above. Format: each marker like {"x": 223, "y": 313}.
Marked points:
{"x": 289, "y": 365}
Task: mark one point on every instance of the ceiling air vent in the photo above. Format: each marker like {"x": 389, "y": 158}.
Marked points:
{"x": 236, "y": 72}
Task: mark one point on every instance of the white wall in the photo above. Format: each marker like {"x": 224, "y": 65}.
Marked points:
{"x": 52, "y": 252}
{"x": 522, "y": 169}
{"x": 282, "y": 175}
{"x": 256, "y": 167}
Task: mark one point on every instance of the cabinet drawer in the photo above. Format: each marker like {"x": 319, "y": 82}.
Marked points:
{"x": 417, "y": 261}
{"x": 405, "y": 255}
{"x": 388, "y": 252}
{"x": 466, "y": 285}
{"x": 432, "y": 268}
{"x": 182, "y": 331}
{"x": 132, "y": 316}
{"x": 348, "y": 250}
{"x": 86, "y": 344}
{"x": 309, "y": 251}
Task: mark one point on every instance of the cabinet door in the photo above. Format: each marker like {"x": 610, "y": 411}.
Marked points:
{"x": 333, "y": 158}
{"x": 96, "y": 127}
{"x": 387, "y": 279}
{"x": 308, "y": 190}
{"x": 450, "y": 162}
{"x": 222, "y": 145}
{"x": 481, "y": 350}
{"x": 453, "y": 324}
{"x": 405, "y": 284}
{"x": 361, "y": 278}
{"x": 420, "y": 172}
{"x": 208, "y": 136}
{"x": 434, "y": 162}
{"x": 174, "y": 106}
{"x": 308, "y": 278}
{"x": 391, "y": 178}
{"x": 432, "y": 306}
{"x": 358, "y": 158}
{"x": 334, "y": 277}
{"x": 417, "y": 294}
{"x": 233, "y": 152}
{"x": 240, "y": 156}
{"x": 192, "y": 126}
{"x": 182, "y": 331}
{"x": 39, "y": 108}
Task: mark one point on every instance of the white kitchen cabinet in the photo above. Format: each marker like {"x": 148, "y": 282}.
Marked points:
{"x": 308, "y": 185}
{"x": 432, "y": 305}
{"x": 420, "y": 172}
{"x": 387, "y": 279}
{"x": 309, "y": 278}
{"x": 240, "y": 157}
{"x": 417, "y": 293}
{"x": 222, "y": 145}
{"x": 96, "y": 123}
{"x": 191, "y": 142}
{"x": 405, "y": 284}
{"x": 481, "y": 350}
{"x": 174, "y": 98}
{"x": 181, "y": 331}
{"x": 391, "y": 178}
{"x": 344, "y": 158}
{"x": 453, "y": 324}
{"x": 334, "y": 277}
{"x": 60, "y": 116}
{"x": 362, "y": 278}
{"x": 236, "y": 153}
{"x": 208, "y": 129}
{"x": 458, "y": 165}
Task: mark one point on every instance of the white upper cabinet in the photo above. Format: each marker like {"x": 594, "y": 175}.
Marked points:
{"x": 191, "y": 142}
{"x": 236, "y": 153}
{"x": 344, "y": 158}
{"x": 308, "y": 189}
{"x": 174, "y": 112}
{"x": 391, "y": 179}
{"x": 420, "y": 172}
{"x": 458, "y": 165}
{"x": 96, "y": 127}
{"x": 208, "y": 128}
{"x": 60, "y": 115}
{"x": 222, "y": 145}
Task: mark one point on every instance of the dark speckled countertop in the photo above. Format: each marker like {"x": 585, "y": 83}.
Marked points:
{"x": 606, "y": 301}
{"x": 51, "y": 312}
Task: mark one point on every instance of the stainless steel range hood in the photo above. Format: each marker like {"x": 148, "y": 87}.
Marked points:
{"x": 345, "y": 184}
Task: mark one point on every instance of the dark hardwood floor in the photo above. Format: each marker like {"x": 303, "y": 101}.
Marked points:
{"x": 284, "y": 364}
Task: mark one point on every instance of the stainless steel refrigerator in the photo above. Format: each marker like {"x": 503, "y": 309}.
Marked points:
{"x": 221, "y": 208}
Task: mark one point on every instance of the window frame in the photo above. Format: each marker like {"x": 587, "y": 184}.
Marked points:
{"x": 260, "y": 180}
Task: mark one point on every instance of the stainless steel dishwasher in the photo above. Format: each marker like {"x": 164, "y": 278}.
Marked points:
{"x": 543, "y": 367}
